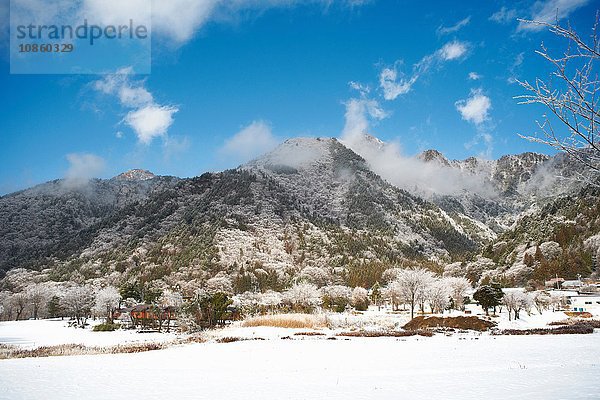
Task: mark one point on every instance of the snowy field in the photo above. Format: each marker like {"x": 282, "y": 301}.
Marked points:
{"x": 284, "y": 366}
{"x": 32, "y": 334}
{"x": 477, "y": 367}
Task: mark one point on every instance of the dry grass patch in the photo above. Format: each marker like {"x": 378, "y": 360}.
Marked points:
{"x": 578, "y": 314}
{"x": 8, "y": 352}
{"x": 300, "y": 321}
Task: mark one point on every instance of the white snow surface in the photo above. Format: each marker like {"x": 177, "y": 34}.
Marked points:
{"x": 479, "y": 367}
{"x": 52, "y": 332}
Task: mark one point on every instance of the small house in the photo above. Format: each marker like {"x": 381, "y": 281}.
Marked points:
{"x": 585, "y": 303}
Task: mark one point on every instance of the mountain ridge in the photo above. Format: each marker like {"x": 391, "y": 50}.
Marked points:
{"x": 310, "y": 203}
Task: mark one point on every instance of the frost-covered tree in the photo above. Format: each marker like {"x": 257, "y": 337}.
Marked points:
{"x": 219, "y": 284}
{"x": 413, "y": 284}
{"x": 391, "y": 274}
{"x": 78, "y": 302}
{"x": 107, "y": 300}
{"x": 393, "y": 293}
{"x": 438, "y": 295}
{"x": 541, "y": 301}
{"x": 336, "y": 297}
{"x": 360, "y": 298}
{"x": 19, "y": 302}
{"x": 303, "y": 297}
{"x": 570, "y": 94}
{"x": 515, "y": 301}
{"x": 5, "y": 305}
{"x": 169, "y": 303}
{"x": 270, "y": 300}
{"x": 315, "y": 275}
{"x": 458, "y": 288}
{"x": 37, "y": 296}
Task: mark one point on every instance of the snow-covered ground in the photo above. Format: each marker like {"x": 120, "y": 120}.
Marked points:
{"x": 32, "y": 334}
{"x": 479, "y": 367}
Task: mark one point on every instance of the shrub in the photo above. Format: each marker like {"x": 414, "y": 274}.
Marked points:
{"x": 106, "y": 327}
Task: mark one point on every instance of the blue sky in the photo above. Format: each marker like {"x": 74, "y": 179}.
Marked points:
{"x": 231, "y": 78}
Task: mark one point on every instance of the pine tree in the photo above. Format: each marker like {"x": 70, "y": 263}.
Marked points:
{"x": 488, "y": 296}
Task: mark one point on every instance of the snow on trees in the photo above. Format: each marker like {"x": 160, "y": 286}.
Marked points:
{"x": 360, "y": 298}
{"x": 412, "y": 285}
{"x": 458, "y": 288}
{"x": 438, "y": 296}
{"x": 303, "y": 297}
{"x": 37, "y": 297}
{"x": 571, "y": 96}
{"x": 18, "y": 303}
{"x": 315, "y": 275}
{"x": 515, "y": 301}
{"x": 336, "y": 297}
{"x": 107, "y": 300}
{"x": 219, "y": 284}
{"x": 270, "y": 300}
{"x": 542, "y": 301}
{"x": 78, "y": 302}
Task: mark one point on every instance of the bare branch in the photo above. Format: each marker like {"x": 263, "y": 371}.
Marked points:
{"x": 574, "y": 103}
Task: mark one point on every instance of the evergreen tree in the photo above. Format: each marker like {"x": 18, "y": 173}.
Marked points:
{"x": 489, "y": 296}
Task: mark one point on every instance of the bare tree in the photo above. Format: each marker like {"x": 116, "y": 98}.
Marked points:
{"x": 574, "y": 101}
{"x": 19, "y": 302}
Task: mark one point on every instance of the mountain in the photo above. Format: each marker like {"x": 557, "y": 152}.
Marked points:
{"x": 311, "y": 206}
{"x": 43, "y": 221}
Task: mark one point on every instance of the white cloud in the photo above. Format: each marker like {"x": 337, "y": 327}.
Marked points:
{"x": 250, "y": 142}
{"x": 550, "y": 11}
{"x": 175, "y": 20}
{"x": 453, "y": 50}
{"x": 359, "y": 114}
{"x": 513, "y": 70}
{"x": 82, "y": 168}
{"x": 179, "y": 20}
{"x": 442, "y": 30}
{"x": 474, "y": 76}
{"x": 475, "y": 109}
{"x": 393, "y": 87}
{"x": 484, "y": 138}
{"x": 414, "y": 174}
{"x": 130, "y": 94}
{"x": 175, "y": 146}
{"x": 504, "y": 16}
{"x": 148, "y": 119}
{"x": 151, "y": 121}
{"x": 362, "y": 89}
